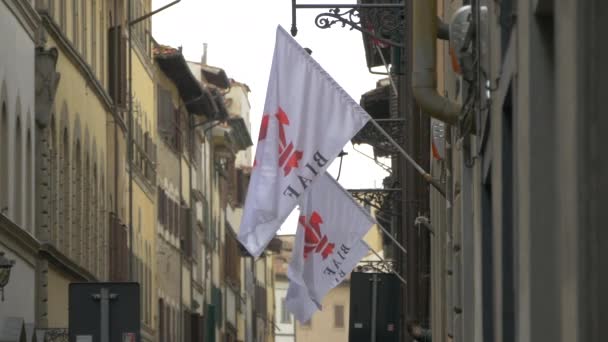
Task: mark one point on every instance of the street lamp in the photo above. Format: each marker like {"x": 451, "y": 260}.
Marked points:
{"x": 5, "y": 272}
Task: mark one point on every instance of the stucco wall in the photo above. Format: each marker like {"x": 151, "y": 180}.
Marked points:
{"x": 17, "y": 94}
{"x": 322, "y": 323}
{"x": 58, "y": 298}
{"x": 18, "y": 293}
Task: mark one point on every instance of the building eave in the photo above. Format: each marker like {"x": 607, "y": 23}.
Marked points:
{"x": 240, "y": 137}
{"x": 216, "y": 76}
{"x": 198, "y": 99}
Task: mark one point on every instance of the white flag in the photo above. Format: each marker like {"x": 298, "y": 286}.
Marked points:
{"x": 308, "y": 118}
{"x": 328, "y": 244}
{"x": 299, "y": 303}
{"x": 298, "y": 300}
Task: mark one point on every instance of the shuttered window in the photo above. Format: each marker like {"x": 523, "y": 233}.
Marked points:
{"x": 117, "y": 67}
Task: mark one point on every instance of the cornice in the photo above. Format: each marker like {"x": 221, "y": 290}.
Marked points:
{"x": 57, "y": 258}
{"x": 17, "y": 236}
{"x": 74, "y": 56}
{"x": 26, "y": 15}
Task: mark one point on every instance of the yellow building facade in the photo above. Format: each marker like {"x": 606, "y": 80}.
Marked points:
{"x": 85, "y": 188}
{"x": 71, "y": 218}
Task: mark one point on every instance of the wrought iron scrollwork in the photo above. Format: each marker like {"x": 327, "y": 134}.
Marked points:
{"x": 383, "y": 200}
{"x": 383, "y": 22}
{"x": 54, "y": 335}
{"x": 382, "y": 147}
{"x": 386, "y": 266}
{"x": 380, "y": 23}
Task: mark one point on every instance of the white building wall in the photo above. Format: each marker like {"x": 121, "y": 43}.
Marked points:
{"x": 17, "y": 83}
{"x": 17, "y": 62}
{"x": 284, "y": 332}
{"x": 19, "y": 293}
{"x": 240, "y": 106}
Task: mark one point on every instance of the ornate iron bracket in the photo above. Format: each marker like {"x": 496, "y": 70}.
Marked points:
{"x": 379, "y": 21}
{"x": 381, "y": 199}
{"x": 382, "y": 147}
{"x": 386, "y": 266}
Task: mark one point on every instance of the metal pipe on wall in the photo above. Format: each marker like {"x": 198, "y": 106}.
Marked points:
{"x": 424, "y": 79}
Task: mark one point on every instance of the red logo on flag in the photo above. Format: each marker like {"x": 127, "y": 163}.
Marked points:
{"x": 289, "y": 157}
{"x": 314, "y": 240}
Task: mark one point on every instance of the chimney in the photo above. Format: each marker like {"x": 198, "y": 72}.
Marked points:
{"x": 204, "y": 56}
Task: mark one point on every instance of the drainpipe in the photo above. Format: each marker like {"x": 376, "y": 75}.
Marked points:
{"x": 424, "y": 78}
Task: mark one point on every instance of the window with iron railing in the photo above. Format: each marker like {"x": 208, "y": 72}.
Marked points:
{"x": 144, "y": 151}
{"x": 168, "y": 213}
{"x": 141, "y": 30}
{"x": 171, "y": 122}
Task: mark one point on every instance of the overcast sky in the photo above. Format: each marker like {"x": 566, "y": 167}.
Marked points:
{"x": 240, "y": 35}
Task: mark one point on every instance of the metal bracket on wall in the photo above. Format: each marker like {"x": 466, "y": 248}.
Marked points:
{"x": 383, "y": 200}
{"x": 382, "y": 22}
{"x": 373, "y": 266}
{"x": 382, "y": 147}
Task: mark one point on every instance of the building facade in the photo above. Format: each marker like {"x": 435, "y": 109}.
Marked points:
{"x": 120, "y": 162}
{"x": 19, "y": 25}
{"x": 525, "y": 180}
{"x": 502, "y": 105}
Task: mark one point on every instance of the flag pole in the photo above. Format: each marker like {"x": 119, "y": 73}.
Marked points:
{"x": 387, "y": 233}
{"x": 390, "y": 78}
{"x": 418, "y": 168}
{"x": 384, "y": 261}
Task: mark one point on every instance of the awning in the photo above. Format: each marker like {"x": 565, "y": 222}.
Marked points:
{"x": 377, "y": 102}
{"x": 239, "y": 134}
{"x": 215, "y": 76}
{"x": 198, "y": 100}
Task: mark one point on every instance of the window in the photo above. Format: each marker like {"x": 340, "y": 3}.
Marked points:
{"x": 62, "y": 14}
{"x": 64, "y": 225}
{"x": 85, "y": 244}
{"x": 85, "y": 29}
{"x": 117, "y": 66}
{"x": 17, "y": 214}
{"x": 161, "y": 320}
{"x": 53, "y": 184}
{"x": 51, "y": 8}
{"x": 75, "y": 24}
{"x": 29, "y": 190}
{"x": 338, "y": 316}
{"x": 76, "y": 205}
{"x": 285, "y": 316}
{"x": 140, "y": 30}
{"x": 94, "y": 37}
{"x": 96, "y": 228}
{"x": 4, "y": 161}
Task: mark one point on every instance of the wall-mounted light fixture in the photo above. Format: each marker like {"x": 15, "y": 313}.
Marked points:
{"x": 5, "y": 272}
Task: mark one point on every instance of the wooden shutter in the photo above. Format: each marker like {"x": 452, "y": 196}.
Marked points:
{"x": 117, "y": 66}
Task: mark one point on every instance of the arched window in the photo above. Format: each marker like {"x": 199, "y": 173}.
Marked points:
{"x": 66, "y": 176}
{"x": 95, "y": 228}
{"x": 29, "y": 189}
{"x": 63, "y": 14}
{"x": 18, "y": 191}
{"x": 103, "y": 228}
{"x": 75, "y": 24}
{"x": 86, "y": 245}
{"x": 53, "y": 179}
{"x": 77, "y": 204}
{"x": 50, "y": 8}
{"x": 4, "y": 161}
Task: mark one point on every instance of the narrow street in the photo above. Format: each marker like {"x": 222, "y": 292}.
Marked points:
{"x": 293, "y": 171}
